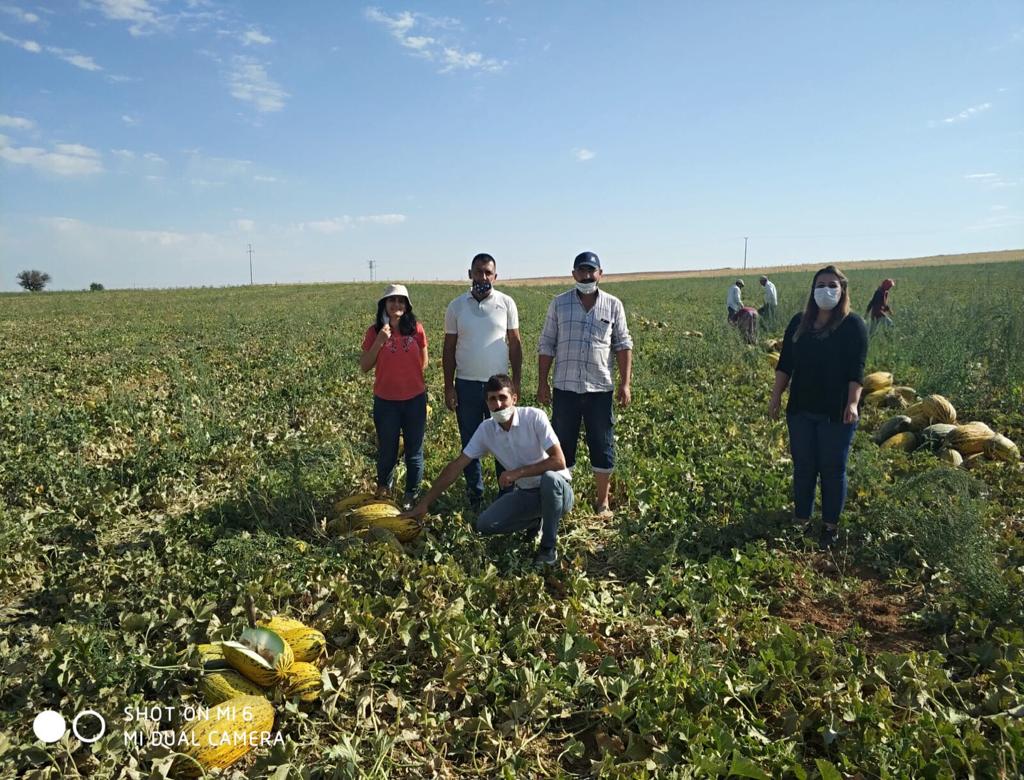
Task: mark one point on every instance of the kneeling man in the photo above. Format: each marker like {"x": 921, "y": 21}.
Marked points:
{"x": 523, "y": 441}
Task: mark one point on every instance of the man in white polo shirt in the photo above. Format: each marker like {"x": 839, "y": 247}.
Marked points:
{"x": 524, "y": 441}
{"x": 771, "y": 301}
{"x": 481, "y": 338}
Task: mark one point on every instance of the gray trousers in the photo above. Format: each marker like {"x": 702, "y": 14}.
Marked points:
{"x": 520, "y": 509}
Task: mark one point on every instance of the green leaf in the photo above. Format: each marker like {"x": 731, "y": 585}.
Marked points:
{"x": 744, "y": 767}
{"x": 827, "y": 769}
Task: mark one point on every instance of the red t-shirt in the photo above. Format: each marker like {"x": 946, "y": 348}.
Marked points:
{"x": 399, "y": 368}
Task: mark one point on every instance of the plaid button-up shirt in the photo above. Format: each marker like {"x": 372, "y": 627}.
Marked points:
{"x": 582, "y": 342}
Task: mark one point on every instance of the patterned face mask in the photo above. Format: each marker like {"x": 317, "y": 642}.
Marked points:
{"x": 482, "y": 288}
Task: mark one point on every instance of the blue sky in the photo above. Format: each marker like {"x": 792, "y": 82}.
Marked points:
{"x": 149, "y": 142}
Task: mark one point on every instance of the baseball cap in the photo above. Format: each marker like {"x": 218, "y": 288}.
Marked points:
{"x": 587, "y": 258}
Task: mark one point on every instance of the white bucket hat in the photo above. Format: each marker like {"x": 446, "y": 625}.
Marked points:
{"x": 395, "y": 289}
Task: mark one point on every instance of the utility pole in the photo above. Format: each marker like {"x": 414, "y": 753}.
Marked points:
{"x": 745, "y": 252}
{"x": 250, "y": 264}
{"x": 372, "y": 265}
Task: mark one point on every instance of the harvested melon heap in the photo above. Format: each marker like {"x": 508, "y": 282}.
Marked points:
{"x": 930, "y": 424}
{"x": 356, "y": 515}
{"x": 237, "y": 679}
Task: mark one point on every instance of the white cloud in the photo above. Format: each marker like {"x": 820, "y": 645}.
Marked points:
{"x": 582, "y": 155}
{"x": 153, "y": 157}
{"x": 17, "y": 122}
{"x": 20, "y": 14}
{"x": 255, "y": 36}
{"x": 967, "y": 113}
{"x": 63, "y": 160}
{"x": 338, "y": 224}
{"x": 248, "y": 81}
{"x": 449, "y": 53}
{"x": 73, "y": 57}
{"x": 456, "y": 59}
{"x": 382, "y": 219}
{"x": 130, "y": 120}
{"x": 124, "y": 154}
{"x": 141, "y": 15}
{"x": 991, "y": 179}
{"x": 981, "y": 176}
{"x": 31, "y": 46}
{"x": 269, "y": 179}
{"x": 245, "y": 225}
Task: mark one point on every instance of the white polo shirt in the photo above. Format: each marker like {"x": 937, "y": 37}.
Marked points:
{"x": 525, "y": 443}
{"x": 771, "y": 296}
{"x": 482, "y": 327}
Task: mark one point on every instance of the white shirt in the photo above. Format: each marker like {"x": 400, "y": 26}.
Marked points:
{"x": 482, "y": 328}
{"x": 770, "y": 295}
{"x": 525, "y": 443}
{"x": 734, "y": 301}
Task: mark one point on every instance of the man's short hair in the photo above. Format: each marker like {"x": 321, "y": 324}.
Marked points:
{"x": 763, "y": 279}
{"x": 498, "y": 382}
{"x": 483, "y": 257}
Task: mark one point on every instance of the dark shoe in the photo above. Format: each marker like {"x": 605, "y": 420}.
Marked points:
{"x": 808, "y": 526}
{"x": 476, "y": 503}
{"x": 829, "y": 537}
{"x": 530, "y": 534}
{"x": 544, "y": 557}
{"x": 604, "y": 513}
{"x": 409, "y": 499}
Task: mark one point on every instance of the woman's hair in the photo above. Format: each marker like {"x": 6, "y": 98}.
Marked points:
{"x": 839, "y": 313}
{"x": 406, "y": 323}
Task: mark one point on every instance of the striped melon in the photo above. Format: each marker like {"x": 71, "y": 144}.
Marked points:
{"x": 952, "y": 457}
{"x": 302, "y": 680}
{"x": 891, "y": 427}
{"x": 212, "y": 657}
{"x": 773, "y": 358}
{"x": 351, "y": 502}
{"x": 361, "y": 516}
{"x": 221, "y": 735}
{"x": 307, "y": 643}
{"x": 970, "y": 438}
{"x": 906, "y": 393}
{"x": 226, "y": 684}
{"x": 879, "y": 380}
{"x": 405, "y": 529}
{"x": 1000, "y": 447}
{"x": 906, "y": 441}
{"x": 875, "y": 398}
{"x": 930, "y": 410}
{"x": 261, "y": 655}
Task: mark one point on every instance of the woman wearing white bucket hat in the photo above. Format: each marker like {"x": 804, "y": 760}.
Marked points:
{"x": 396, "y": 347}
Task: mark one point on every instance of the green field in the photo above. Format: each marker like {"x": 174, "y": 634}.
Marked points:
{"x": 161, "y": 453}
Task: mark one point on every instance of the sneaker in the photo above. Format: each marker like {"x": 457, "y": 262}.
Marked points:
{"x": 829, "y": 537}
{"x": 545, "y": 557}
{"x": 476, "y": 503}
{"x": 409, "y": 500}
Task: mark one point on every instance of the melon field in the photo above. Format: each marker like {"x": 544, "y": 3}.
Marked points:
{"x": 168, "y": 458}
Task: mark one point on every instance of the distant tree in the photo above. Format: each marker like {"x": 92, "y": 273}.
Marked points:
{"x": 33, "y": 281}
{"x": 96, "y": 287}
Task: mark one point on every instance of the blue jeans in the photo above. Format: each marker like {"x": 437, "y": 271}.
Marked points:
{"x": 471, "y": 411}
{"x": 520, "y": 509}
{"x": 820, "y": 448}
{"x": 594, "y": 411}
{"x": 410, "y": 419}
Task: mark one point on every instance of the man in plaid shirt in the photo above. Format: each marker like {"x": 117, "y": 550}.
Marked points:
{"x": 583, "y": 329}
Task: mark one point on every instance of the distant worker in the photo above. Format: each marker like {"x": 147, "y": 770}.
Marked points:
{"x": 746, "y": 320}
{"x": 771, "y": 301}
{"x": 734, "y": 301}
{"x": 481, "y": 339}
{"x": 878, "y": 310}
{"x": 586, "y": 337}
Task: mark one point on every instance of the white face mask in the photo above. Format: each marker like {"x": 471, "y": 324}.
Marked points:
{"x": 827, "y": 298}
{"x": 587, "y": 288}
{"x": 503, "y": 415}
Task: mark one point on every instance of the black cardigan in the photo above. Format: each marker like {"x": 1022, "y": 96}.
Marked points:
{"x": 821, "y": 366}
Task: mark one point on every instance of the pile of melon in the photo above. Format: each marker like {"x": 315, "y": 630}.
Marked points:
{"x": 358, "y": 515}
{"x": 237, "y": 678}
{"x": 930, "y": 424}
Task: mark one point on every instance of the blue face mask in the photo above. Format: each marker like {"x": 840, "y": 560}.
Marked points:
{"x": 482, "y": 288}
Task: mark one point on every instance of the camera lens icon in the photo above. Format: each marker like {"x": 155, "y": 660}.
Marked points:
{"x": 49, "y": 726}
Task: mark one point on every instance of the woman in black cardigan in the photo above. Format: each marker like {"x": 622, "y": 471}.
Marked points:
{"x": 822, "y": 362}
